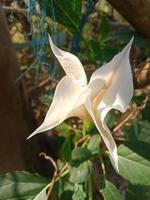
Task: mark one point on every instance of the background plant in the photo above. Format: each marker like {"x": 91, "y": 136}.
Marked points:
{"x": 81, "y": 169}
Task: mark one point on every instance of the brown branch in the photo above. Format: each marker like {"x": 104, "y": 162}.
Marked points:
{"x": 86, "y": 137}
{"x": 131, "y": 115}
{"x": 15, "y": 9}
{"x": 55, "y": 173}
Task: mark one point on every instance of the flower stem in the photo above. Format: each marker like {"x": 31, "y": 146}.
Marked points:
{"x": 90, "y": 194}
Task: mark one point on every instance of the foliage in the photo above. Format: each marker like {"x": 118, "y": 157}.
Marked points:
{"x": 109, "y": 191}
{"x": 22, "y": 185}
{"x": 70, "y": 12}
{"x": 83, "y": 163}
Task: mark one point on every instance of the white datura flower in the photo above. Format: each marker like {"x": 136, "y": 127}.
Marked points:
{"x": 110, "y": 87}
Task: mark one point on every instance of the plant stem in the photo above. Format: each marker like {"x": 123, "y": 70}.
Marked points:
{"x": 90, "y": 194}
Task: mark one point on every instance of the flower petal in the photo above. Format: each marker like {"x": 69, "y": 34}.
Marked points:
{"x": 69, "y": 62}
{"x": 66, "y": 94}
{"x": 120, "y": 86}
{"x": 118, "y": 79}
{"x": 105, "y": 133}
{"x": 79, "y": 110}
{"x": 116, "y": 93}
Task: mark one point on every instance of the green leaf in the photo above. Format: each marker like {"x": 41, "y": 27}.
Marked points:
{"x": 79, "y": 193}
{"x": 66, "y": 12}
{"x": 138, "y": 99}
{"x": 79, "y": 155}
{"x": 66, "y": 195}
{"x": 145, "y": 113}
{"x": 64, "y": 129}
{"x": 41, "y": 195}
{"x": 65, "y": 188}
{"x": 94, "y": 144}
{"x": 138, "y": 192}
{"x": 80, "y": 174}
{"x": 109, "y": 190}
{"x": 110, "y": 119}
{"x": 134, "y": 162}
{"x": 102, "y": 52}
{"x": 88, "y": 126}
{"x": 67, "y": 149}
{"x": 104, "y": 27}
{"x": 22, "y": 186}
{"x": 138, "y": 131}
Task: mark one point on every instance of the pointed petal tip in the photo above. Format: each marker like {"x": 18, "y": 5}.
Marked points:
{"x": 50, "y": 41}
{"x": 128, "y": 46}
{"x": 28, "y": 137}
{"x": 131, "y": 40}
{"x": 39, "y": 130}
{"x": 31, "y": 135}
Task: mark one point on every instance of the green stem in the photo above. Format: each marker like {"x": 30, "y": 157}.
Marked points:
{"x": 90, "y": 194}
{"x": 84, "y": 129}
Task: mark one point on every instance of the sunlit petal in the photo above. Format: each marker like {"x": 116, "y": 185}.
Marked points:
{"x": 116, "y": 93}
{"x": 120, "y": 86}
{"x": 66, "y": 94}
{"x": 110, "y": 71}
{"x": 79, "y": 110}
{"x": 69, "y": 62}
{"x": 104, "y": 132}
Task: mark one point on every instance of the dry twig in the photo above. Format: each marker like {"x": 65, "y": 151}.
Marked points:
{"x": 131, "y": 115}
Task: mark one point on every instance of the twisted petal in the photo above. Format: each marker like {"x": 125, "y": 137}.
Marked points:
{"x": 70, "y": 63}
{"x": 117, "y": 93}
{"x": 104, "y": 132}
{"x": 66, "y": 94}
{"x": 117, "y": 75}
{"x": 119, "y": 86}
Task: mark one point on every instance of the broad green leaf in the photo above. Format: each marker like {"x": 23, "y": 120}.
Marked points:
{"x": 79, "y": 193}
{"x": 134, "y": 162}
{"x": 94, "y": 144}
{"x": 65, "y": 12}
{"x": 138, "y": 131}
{"x": 22, "y": 186}
{"x": 41, "y": 195}
{"x": 80, "y": 174}
{"x": 79, "y": 155}
{"x": 67, "y": 149}
{"x": 138, "y": 192}
{"x": 110, "y": 192}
